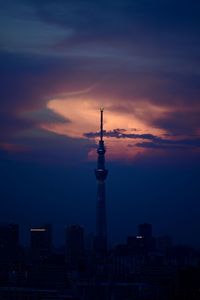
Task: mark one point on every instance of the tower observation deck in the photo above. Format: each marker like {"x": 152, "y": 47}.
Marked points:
{"x": 101, "y": 174}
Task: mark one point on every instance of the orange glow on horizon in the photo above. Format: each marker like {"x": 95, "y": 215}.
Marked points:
{"x": 83, "y": 116}
{"x": 13, "y": 147}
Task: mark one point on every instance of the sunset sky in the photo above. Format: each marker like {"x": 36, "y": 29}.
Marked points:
{"x": 63, "y": 60}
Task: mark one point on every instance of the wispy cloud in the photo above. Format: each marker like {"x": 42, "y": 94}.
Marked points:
{"x": 121, "y": 134}
{"x": 155, "y": 142}
{"x": 171, "y": 144}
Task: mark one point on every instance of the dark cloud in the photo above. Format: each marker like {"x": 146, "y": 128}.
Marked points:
{"x": 10, "y": 124}
{"x": 46, "y": 116}
{"x": 187, "y": 122}
{"x": 154, "y": 29}
{"x": 156, "y": 142}
{"x": 28, "y": 81}
{"x": 83, "y": 13}
{"x": 44, "y": 147}
{"x": 121, "y": 134}
{"x": 164, "y": 146}
{"x": 171, "y": 144}
{"x": 27, "y": 84}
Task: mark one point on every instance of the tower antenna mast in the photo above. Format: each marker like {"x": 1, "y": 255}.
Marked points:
{"x": 101, "y": 125}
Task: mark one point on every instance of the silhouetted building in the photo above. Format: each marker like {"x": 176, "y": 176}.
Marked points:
{"x": 143, "y": 242}
{"x": 27, "y": 293}
{"x": 48, "y": 273}
{"x": 100, "y": 242}
{"x": 9, "y": 236}
{"x": 9, "y": 251}
{"x": 145, "y": 230}
{"x": 89, "y": 242}
{"x": 74, "y": 246}
{"x": 9, "y": 240}
{"x": 41, "y": 240}
{"x": 146, "y": 242}
{"x": 163, "y": 243}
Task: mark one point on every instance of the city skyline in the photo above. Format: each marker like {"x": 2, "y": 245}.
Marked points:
{"x": 60, "y": 62}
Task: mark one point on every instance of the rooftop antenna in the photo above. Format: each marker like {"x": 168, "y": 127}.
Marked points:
{"x": 101, "y": 126}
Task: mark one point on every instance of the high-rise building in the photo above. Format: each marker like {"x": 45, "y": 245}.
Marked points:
{"x": 9, "y": 240}
{"x": 41, "y": 240}
{"x": 101, "y": 174}
{"x": 145, "y": 239}
{"x": 163, "y": 243}
{"x": 74, "y": 246}
{"x": 9, "y": 236}
{"x": 145, "y": 230}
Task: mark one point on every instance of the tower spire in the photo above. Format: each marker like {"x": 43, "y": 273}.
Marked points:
{"x": 101, "y": 124}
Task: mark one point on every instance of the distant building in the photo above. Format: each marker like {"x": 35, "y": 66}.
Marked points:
{"x": 41, "y": 240}
{"x": 145, "y": 239}
{"x": 143, "y": 242}
{"x": 145, "y": 230}
{"x": 9, "y": 235}
{"x": 89, "y": 242}
{"x": 163, "y": 243}
{"x": 9, "y": 240}
{"x": 74, "y": 246}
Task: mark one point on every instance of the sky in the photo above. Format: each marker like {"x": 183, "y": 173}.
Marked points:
{"x": 63, "y": 60}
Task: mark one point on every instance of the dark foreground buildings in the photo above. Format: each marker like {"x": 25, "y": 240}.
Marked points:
{"x": 74, "y": 250}
{"x": 41, "y": 241}
{"x": 145, "y": 267}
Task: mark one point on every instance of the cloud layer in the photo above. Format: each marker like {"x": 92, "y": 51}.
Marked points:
{"x": 137, "y": 58}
